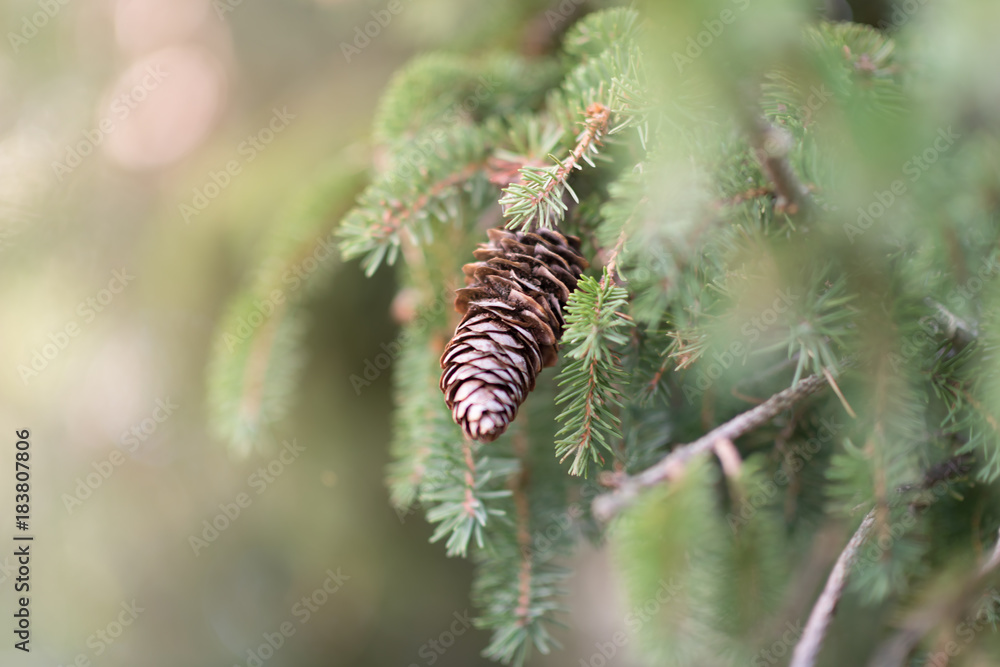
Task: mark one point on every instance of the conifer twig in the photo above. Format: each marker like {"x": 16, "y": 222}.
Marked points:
{"x": 729, "y": 457}
{"x": 808, "y": 647}
{"x": 629, "y": 488}
{"x": 537, "y": 197}
{"x": 589, "y": 380}
{"x": 809, "y": 644}
{"x": 397, "y": 213}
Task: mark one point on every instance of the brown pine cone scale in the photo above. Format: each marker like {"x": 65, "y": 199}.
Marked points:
{"x": 513, "y": 302}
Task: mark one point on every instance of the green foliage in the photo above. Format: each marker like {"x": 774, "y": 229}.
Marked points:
{"x": 596, "y": 33}
{"x": 672, "y": 575}
{"x": 443, "y": 90}
{"x": 595, "y": 328}
{"x": 444, "y": 184}
{"x": 604, "y": 46}
{"x": 967, "y": 382}
{"x": 457, "y": 493}
{"x": 460, "y": 487}
{"x": 810, "y": 209}
{"x": 520, "y": 580}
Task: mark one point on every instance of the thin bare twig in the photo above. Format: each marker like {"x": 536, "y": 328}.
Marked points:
{"x": 629, "y": 488}
{"x": 807, "y": 649}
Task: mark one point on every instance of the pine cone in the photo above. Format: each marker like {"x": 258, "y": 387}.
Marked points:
{"x": 513, "y": 322}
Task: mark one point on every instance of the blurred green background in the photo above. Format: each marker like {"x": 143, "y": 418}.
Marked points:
{"x": 121, "y": 241}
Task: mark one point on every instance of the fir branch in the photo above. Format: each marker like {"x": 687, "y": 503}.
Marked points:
{"x": 991, "y": 470}
{"x": 628, "y": 489}
{"x": 374, "y": 230}
{"x": 398, "y": 213}
{"x": 538, "y": 199}
{"x": 611, "y": 264}
{"x": 450, "y": 172}
{"x": 594, "y": 329}
{"x": 459, "y": 490}
{"x": 517, "y": 582}
{"x": 808, "y": 647}
{"x": 442, "y": 90}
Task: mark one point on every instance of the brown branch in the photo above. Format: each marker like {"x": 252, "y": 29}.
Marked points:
{"x": 523, "y": 610}
{"x": 809, "y": 644}
{"x": 729, "y": 457}
{"x": 807, "y": 649}
{"x": 595, "y": 126}
{"x": 608, "y": 505}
